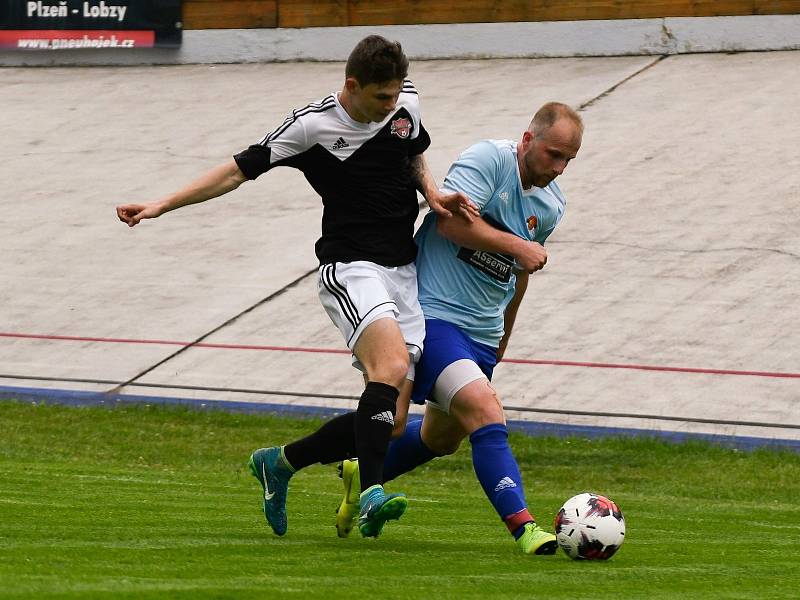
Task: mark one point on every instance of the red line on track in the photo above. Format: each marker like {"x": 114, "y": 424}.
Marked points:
{"x": 519, "y": 361}
{"x": 70, "y": 338}
{"x": 568, "y": 363}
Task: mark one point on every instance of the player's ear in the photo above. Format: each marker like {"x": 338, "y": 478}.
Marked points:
{"x": 351, "y": 85}
{"x": 527, "y": 139}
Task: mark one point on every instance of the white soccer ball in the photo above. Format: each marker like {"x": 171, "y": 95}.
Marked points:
{"x": 590, "y": 526}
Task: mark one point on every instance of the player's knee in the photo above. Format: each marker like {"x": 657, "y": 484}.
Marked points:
{"x": 450, "y": 448}
{"x": 476, "y": 410}
{"x": 391, "y": 371}
{"x": 444, "y": 446}
{"x": 442, "y": 440}
{"x": 481, "y": 416}
{"x": 400, "y": 421}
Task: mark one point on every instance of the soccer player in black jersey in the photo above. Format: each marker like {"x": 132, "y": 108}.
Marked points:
{"x": 361, "y": 149}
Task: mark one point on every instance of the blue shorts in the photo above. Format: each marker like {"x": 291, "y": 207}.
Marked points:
{"x": 446, "y": 343}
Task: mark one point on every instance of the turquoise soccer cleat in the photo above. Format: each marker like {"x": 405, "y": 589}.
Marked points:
{"x": 377, "y": 508}
{"x": 268, "y": 466}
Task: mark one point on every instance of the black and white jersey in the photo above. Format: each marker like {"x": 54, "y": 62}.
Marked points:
{"x": 361, "y": 171}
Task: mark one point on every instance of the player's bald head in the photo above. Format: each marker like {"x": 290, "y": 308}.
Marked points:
{"x": 549, "y": 114}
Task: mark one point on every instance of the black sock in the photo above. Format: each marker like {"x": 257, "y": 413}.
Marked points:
{"x": 374, "y": 424}
{"x": 332, "y": 442}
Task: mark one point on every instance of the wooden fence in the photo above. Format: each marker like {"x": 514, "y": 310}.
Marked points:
{"x": 250, "y": 14}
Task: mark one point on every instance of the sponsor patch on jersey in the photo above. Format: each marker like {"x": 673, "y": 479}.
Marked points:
{"x": 532, "y": 222}
{"x": 495, "y": 265}
{"x": 401, "y": 128}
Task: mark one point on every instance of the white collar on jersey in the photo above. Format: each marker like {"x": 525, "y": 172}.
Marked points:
{"x": 352, "y": 122}
{"x": 531, "y": 191}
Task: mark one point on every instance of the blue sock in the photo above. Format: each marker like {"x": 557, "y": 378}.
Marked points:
{"x": 406, "y": 452}
{"x": 497, "y": 470}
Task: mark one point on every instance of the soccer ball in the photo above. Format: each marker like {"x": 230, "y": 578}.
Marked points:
{"x": 590, "y": 526}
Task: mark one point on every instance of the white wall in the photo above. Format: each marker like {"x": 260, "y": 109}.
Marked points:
{"x": 478, "y": 40}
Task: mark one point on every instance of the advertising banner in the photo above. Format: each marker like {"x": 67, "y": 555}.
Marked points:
{"x": 73, "y": 24}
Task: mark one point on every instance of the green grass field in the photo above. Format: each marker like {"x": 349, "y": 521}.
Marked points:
{"x": 147, "y": 502}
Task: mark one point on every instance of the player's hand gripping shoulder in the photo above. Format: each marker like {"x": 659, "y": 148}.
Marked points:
{"x": 446, "y": 205}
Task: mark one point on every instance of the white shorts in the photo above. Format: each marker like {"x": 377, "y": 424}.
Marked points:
{"x": 355, "y": 294}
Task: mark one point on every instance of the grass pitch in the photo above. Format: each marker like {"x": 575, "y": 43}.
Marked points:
{"x": 147, "y": 502}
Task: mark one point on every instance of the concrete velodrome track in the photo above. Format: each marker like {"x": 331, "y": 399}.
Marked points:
{"x": 669, "y": 303}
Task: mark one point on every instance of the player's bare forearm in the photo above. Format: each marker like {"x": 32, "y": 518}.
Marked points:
{"x": 479, "y": 235}
{"x": 442, "y": 203}
{"x": 216, "y": 182}
{"x": 422, "y": 177}
{"x": 510, "y": 315}
{"x": 220, "y": 180}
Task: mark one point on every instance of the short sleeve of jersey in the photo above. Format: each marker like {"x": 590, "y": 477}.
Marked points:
{"x": 420, "y": 143}
{"x": 541, "y": 237}
{"x": 253, "y": 161}
{"x": 475, "y": 173}
{"x": 409, "y": 99}
{"x": 288, "y": 140}
{"x": 557, "y": 205}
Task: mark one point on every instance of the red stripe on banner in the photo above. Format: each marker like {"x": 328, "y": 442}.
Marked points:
{"x": 519, "y": 361}
{"x": 56, "y": 39}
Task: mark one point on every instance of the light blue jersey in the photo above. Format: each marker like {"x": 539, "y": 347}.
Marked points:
{"x": 471, "y": 288}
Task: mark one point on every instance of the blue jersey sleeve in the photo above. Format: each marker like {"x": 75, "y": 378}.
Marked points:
{"x": 552, "y": 214}
{"x": 475, "y": 173}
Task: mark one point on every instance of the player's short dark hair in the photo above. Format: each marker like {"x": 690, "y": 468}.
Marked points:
{"x": 376, "y": 60}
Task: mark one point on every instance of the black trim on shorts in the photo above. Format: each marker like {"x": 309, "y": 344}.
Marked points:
{"x": 343, "y": 290}
{"x": 370, "y": 311}
{"x": 345, "y": 304}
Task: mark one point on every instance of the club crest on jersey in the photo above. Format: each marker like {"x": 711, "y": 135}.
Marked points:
{"x": 401, "y": 128}
{"x": 532, "y": 222}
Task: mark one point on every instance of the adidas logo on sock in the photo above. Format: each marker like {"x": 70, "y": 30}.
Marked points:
{"x": 339, "y": 144}
{"x": 385, "y": 416}
{"x": 505, "y": 482}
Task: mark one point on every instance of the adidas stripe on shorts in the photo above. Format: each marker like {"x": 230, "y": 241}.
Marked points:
{"x": 354, "y": 294}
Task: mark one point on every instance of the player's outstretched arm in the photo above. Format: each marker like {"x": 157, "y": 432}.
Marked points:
{"x": 443, "y": 204}
{"x": 479, "y": 235}
{"x": 216, "y": 182}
